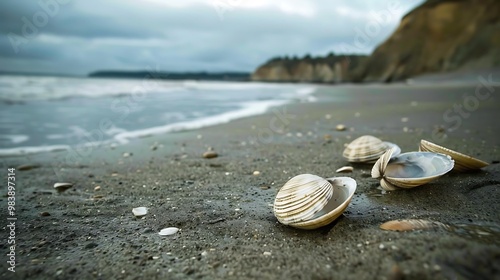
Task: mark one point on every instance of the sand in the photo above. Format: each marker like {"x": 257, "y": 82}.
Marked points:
{"x": 227, "y": 228}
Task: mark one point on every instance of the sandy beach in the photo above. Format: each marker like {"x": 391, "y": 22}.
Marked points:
{"x": 224, "y": 212}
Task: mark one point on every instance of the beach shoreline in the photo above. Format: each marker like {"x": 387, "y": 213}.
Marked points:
{"x": 227, "y": 226}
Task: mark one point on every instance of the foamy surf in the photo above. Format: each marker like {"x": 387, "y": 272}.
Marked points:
{"x": 248, "y": 109}
{"x": 103, "y": 112}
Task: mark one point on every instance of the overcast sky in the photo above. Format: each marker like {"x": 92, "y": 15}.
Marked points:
{"x": 79, "y": 36}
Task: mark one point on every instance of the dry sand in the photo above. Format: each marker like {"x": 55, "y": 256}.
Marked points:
{"x": 228, "y": 230}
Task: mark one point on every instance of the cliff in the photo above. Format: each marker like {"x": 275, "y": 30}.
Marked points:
{"x": 438, "y": 36}
{"x": 327, "y": 69}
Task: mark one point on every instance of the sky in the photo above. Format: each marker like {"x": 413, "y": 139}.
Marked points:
{"x": 79, "y": 36}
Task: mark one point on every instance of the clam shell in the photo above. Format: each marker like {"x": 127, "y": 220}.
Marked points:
{"x": 463, "y": 163}
{"x": 409, "y": 170}
{"x": 301, "y": 198}
{"x": 309, "y": 202}
{"x": 367, "y": 149}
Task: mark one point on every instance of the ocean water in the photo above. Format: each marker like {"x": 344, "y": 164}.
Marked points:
{"x": 56, "y": 113}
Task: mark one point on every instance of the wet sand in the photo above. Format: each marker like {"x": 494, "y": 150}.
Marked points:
{"x": 227, "y": 228}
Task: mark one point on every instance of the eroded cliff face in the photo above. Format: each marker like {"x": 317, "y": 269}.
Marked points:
{"x": 329, "y": 69}
{"x": 439, "y": 36}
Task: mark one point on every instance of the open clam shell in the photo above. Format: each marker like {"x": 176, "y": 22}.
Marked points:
{"x": 463, "y": 163}
{"x": 410, "y": 170}
{"x": 308, "y": 201}
{"x": 367, "y": 149}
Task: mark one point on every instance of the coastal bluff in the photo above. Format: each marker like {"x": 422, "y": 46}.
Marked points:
{"x": 438, "y": 36}
{"x": 329, "y": 69}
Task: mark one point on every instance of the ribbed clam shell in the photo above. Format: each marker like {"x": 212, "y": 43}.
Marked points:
{"x": 301, "y": 197}
{"x": 409, "y": 170}
{"x": 366, "y": 148}
{"x": 343, "y": 191}
{"x": 463, "y": 163}
{"x": 381, "y": 163}
{"x": 308, "y": 201}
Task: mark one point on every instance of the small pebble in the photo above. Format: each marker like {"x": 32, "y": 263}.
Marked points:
{"x": 381, "y": 246}
{"x": 256, "y": 172}
{"x": 340, "y": 127}
{"x": 26, "y": 167}
{"x": 395, "y": 273}
{"x": 266, "y": 253}
{"x": 210, "y": 154}
{"x": 97, "y": 188}
{"x": 125, "y": 155}
{"x": 44, "y": 214}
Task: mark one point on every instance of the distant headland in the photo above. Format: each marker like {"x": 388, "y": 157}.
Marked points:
{"x": 206, "y": 76}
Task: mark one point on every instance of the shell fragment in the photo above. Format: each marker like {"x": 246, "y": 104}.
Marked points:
{"x": 168, "y": 231}
{"x": 411, "y": 224}
{"x": 61, "y": 187}
{"x": 345, "y": 169}
{"x": 140, "y": 211}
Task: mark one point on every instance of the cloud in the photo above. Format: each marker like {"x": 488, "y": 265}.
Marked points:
{"x": 189, "y": 35}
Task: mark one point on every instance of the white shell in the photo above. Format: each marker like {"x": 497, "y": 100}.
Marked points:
{"x": 168, "y": 231}
{"x": 60, "y": 187}
{"x": 345, "y": 169}
{"x": 140, "y": 211}
{"x": 463, "y": 162}
{"x": 367, "y": 149}
{"x": 308, "y": 201}
{"x": 409, "y": 170}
